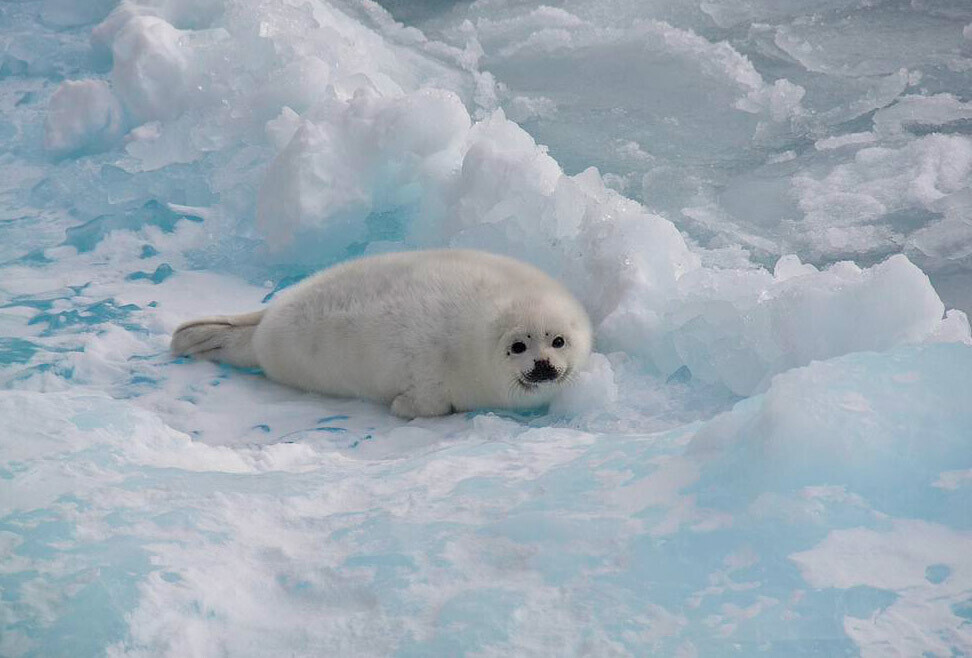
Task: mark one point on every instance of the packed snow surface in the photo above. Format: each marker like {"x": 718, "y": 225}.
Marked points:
{"x": 766, "y": 207}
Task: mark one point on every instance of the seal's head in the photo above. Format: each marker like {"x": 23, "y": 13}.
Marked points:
{"x": 542, "y": 345}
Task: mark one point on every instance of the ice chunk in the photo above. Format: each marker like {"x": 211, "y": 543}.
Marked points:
{"x": 842, "y": 208}
{"x": 922, "y": 113}
{"x": 82, "y": 115}
{"x": 780, "y": 101}
{"x": 349, "y": 158}
{"x": 594, "y": 390}
{"x": 298, "y": 85}
{"x": 790, "y": 266}
{"x": 954, "y": 328}
{"x": 946, "y": 241}
{"x": 843, "y": 140}
{"x": 882, "y": 425}
{"x": 511, "y": 195}
{"x": 525, "y": 108}
{"x": 281, "y": 129}
{"x": 742, "y": 328}
{"x": 152, "y": 70}
{"x": 871, "y": 42}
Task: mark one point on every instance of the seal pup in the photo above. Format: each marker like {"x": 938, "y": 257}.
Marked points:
{"x": 429, "y": 332}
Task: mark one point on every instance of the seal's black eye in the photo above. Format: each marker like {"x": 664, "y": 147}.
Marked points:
{"x": 518, "y": 348}
{"x": 558, "y": 342}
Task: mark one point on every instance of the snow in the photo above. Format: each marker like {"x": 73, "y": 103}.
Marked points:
{"x": 763, "y": 205}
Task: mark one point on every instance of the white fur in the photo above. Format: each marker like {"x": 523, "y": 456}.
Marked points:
{"x": 428, "y": 332}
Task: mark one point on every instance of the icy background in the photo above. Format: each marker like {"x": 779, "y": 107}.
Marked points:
{"x": 765, "y": 204}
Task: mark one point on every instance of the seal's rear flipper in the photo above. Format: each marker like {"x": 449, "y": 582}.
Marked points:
{"x": 228, "y": 339}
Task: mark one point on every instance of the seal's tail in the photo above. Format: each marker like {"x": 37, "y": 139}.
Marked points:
{"x": 228, "y": 339}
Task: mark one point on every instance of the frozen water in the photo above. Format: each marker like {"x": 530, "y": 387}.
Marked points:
{"x": 709, "y": 111}
{"x": 764, "y": 205}
{"x": 82, "y": 114}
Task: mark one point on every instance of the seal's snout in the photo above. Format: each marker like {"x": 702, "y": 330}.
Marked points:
{"x": 542, "y": 371}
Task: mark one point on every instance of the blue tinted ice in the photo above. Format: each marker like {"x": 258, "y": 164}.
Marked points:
{"x": 764, "y": 205}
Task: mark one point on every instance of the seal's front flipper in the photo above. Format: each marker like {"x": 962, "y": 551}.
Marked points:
{"x": 408, "y": 406}
{"x": 227, "y": 339}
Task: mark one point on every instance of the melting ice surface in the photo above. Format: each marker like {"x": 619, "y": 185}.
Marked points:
{"x": 770, "y": 454}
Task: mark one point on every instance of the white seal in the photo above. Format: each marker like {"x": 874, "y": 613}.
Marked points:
{"x": 429, "y": 332}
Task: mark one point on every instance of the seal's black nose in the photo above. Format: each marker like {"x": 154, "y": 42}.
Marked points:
{"x": 542, "y": 372}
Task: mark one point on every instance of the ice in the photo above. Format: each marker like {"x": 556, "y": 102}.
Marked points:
{"x": 595, "y": 390}
{"x": 83, "y": 115}
{"x": 841, "y": 208}
{"x": 741, "y": 328}
{"x": 916, "y": 112}
{"x": 766, "y": 78}
{"x": 152, "y": 69}
{"x": 916, "y": 619}
{"x": 765, "y": 207}
{"x": 67, "y": 13}
{"x": 365, "y": 154}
